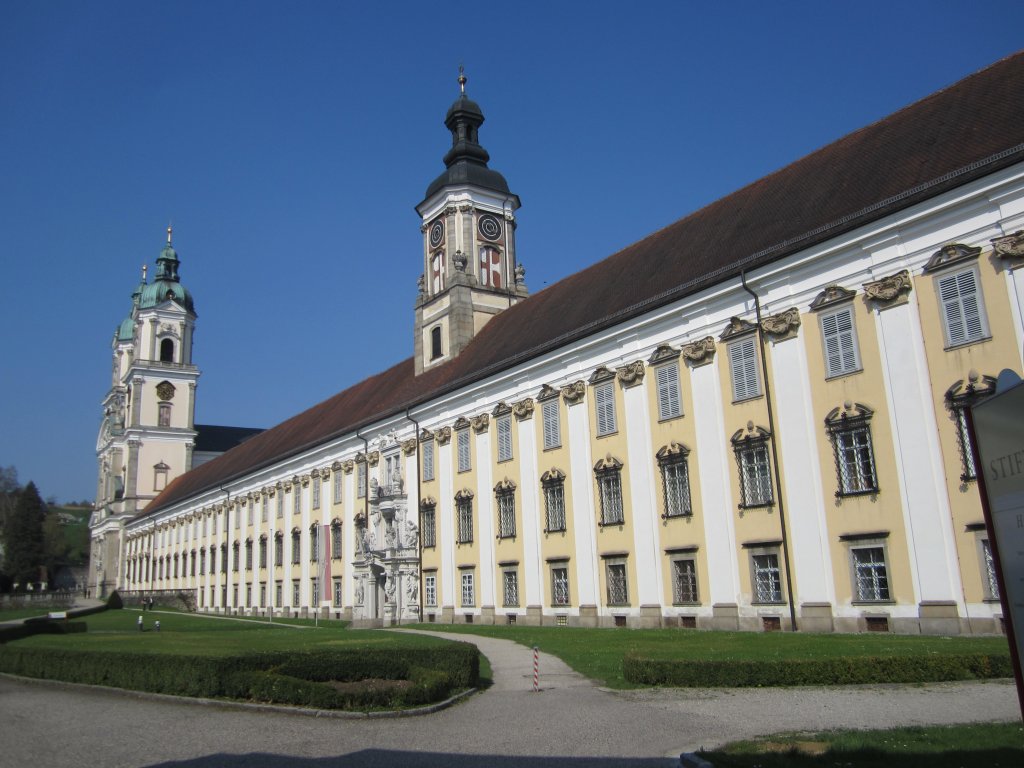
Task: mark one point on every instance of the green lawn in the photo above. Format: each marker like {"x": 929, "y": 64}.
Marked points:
{"x": 597, "y": 653}
{"x": 185, "y": 633}
{"x": 15, "y": 614}
{"x": 979, "y": 746}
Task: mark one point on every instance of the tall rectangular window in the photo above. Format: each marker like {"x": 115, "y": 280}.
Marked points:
{"x": 510, "y": 588}
{"x": 280, "y": 503}
{"x": 855, "y": 460}
{"x": 462, "y": 444}
{"x": 336, "y": 496}
{"x": 755, "y": 473}
{"x": 339, "y": 597}
{"x": 684, "y": 581}
{"x": 988, "y": 564}
{"x": 504, "y": 424}
{"x": 675, "y": 480}
{"x": 560, "y": 585}
{"x": 296, "y": 593}
{"x": 164, "y": 415}
{"x": 430, "y": 590}
{"x": 361, "y": 480}
{"x": 669, "y": 403}
{"x": 872, "y": 581}
{"x": 278, "y": 593}
{"x": 963, "y": 311}
{"x": 468, "y": 591}
{"x": 554, "y": 503}
{"x": 314, "y": 491}
{"x": 248, "y": 555}
{"x": 263, "y": 508}
{"x": 767, "y": 580}
{"x": 296, "y": 547}
{"x": 427, "y": 455}
{"x": 250, "y": 512}
{"x": 428, "y": 526}
{"x": 743, "y": 369}
{"x": 604, "y": 408}
{"x": 552, "y": 427}
{"x": 464, "y": 515}
{"x": 839, "y": 337}
{"x": 263, "y": 553}
{"x": 336, "y": 548}
{"x": 506, "y": 499}
{"x": 279, "y": 549}
{"x": 314, "y": 543}
{"x": 609, "y": 485}
{"x": 618, "y": 592}
{"x": 296, "y": 499}
{"x": 314, "y": 589}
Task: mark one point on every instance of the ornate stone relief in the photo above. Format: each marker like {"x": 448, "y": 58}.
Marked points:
{"x": 460, "y": 423}
{"x": 609, "y": 462}
{"x": 336, "y": 466}
{"x": 165, "y": 390}
{"x": 374, "y": 458}
{"x": 501, "y": 409}
{"x": 347, "y": 466}
{"x": 951, "y": 253}
{"x": 305, "y": 481}
{"x": 1010, "y": 247}
{"x": 523, "y": 409}
{"x": 890, "y": 291}
{"x": 166, "y": 329}
{"x": 460, "y": 261}
{"x": 783, "y": 325}
{"x": 631, "y": 374}
{"x": 737, "y": 326}
{"x": 671, "y": 451}
{"x": 553, "y": 475}
{"x": 700, "y": 352}
{"x": 360, "y": 458}
{"x": 750, "y": 433}
{"x": 662, "y": 353}
{"x": 547, "y": 392}
{"x": 428, "y": 502}
{"x": 831, "y": 294}
{"x": 409, "y": 446}
{"x": 444, "y": 435}
{"x": 574, "y": 393}
{"x": 426, "y": 435}
{"x": 602, "y": 373}
{"x": 505, "y": 486}
{"x": 480, "y": 423}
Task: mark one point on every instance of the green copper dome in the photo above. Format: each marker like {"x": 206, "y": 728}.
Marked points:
{"x": 126, "y": 331}
{"x": 166, "y": 286}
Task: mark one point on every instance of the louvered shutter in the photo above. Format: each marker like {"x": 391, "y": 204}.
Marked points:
{"x": 961, "y": 307}
{"x": 743, "y": 363}
{"x": 604, "y": 397}
{"x": 552, "y": 430}
{"x": 668, "y": 391}
{"x": 504, "y": 438}
{"x": 840, "y": 346}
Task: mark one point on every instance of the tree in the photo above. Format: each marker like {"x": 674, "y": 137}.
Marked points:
{"x": 8, "y": 492}
{"x": 23, "y": 537}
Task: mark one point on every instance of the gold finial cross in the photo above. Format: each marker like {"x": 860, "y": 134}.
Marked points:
{"x": 462, "y": 80}
{"x": 168, "y": 234}
{"x": 144, "y": 269}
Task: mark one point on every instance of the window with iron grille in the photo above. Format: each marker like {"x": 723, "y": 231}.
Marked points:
{"x": 427, "y": 454}
{"x": 604, "y": 408}
{"x": 464, "y": 516}
{"x": 850, "y": 432}
{"x": 767, "y": 579}
{"x": 963, "y": 309}
{"x": 872, "y": 581}
{"x": 314, "y": 543}
{"x": 609, "y": 485}
{"x": 684, "y": 581}
{"x": 278, "y": 593}
{"x": 428, "y": 524}
{"x": 248, "y": 595}
{"x": 510, "y": 588}
{"x": 839, "y": 336}
{"x": 468, "y": 591}
{"x": 279, "y": 549}
{"x": 560, "y": 585}
{"x": 296, "y": 593}
{"x": 618, "y": 591}
{"x": 223, "y": 558}
{"x": 235, "y": 557}
{"x": 959, "y": 398}
{"x": 505, "y": 493}
{"x": 336, "y": 548}
{"x": 553, "y": 484}
{"x": 263, "y": 552}
{"x": 552, "y": 427}
{"x": 263, "y": 595}
{"x": 336, "y": 496}
{"x": 314, "y": 589}
{"x": 754, "y": 468}
{"x": 430, "y": 590}
{"x": 669, "y": 403}
{"x": 504, "y": 424}
{"x": 743, "y": 369}
{"x": 192, "y": 564}
{"x": 988, "y": 563}
{"x": 296, "y": 546}
{"x": 339, "y": 597}
{"x": 314, "y": 490}
{"x": 462, "y": 443}
{"x": 248, "y": 554}
{"x": 675, "y": 480}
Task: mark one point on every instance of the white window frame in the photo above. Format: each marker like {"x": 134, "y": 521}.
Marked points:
{"x": 616, "y": 576}
{"x": 839, "y": 342}
{"x": 685, "y": 587}
{"x": 855, "y": 460}
{"x": 510, "y": 587}
{"x": 465, "y": 457}
{"x": 430, "y": 590}
{"x": 550, "y": 414}
{"x": 561, "y": 597}
{"x": 765, "y": 577}
{"x": 338, "y": 594}
{"x": 468, "y": 592}
{"x": 427, "y": 454}
{"x": 962, "y": 306}
{"x": 870, "y": 576}
{"x": 604, "y": 408}
{"x": 746, "y": 380}
{"x": 504, "y": 429}
{"x": 755, "y": 471}
{"x": 669, "y": 392}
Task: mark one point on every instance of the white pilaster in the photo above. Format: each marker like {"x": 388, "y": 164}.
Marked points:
{"x": 485, "y": 519}
{"x": 533, "y": 575}
{"x": 647, "y": 564}
{"x": 584, "y": 521}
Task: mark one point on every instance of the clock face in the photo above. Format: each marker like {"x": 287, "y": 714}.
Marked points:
{"x": 489, "y": 227}
{"x": 436, "y": 233}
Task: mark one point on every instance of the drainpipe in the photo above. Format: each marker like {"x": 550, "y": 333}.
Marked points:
{"x": 775, "y": 453}
{"x": 419, "y": 489}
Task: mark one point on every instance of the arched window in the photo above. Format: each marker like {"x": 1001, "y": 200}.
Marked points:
{"x": 435, "y": 342}
{"x": 167, "y": 351}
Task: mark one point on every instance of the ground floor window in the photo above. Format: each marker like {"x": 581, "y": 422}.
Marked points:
{"x": 618, "y": 589}
{"x": 468, "y": 590}
{"x": 684, "y": 581}
{"x": 338, "y": 597}
{"x": 988, "y": 564}
{"x": 767, "y": 578}
{"x": 871, "y": 580}
{"x": 430, "y": 589}
{"x": 510, "y": 587}
{"x": 296, "y": 593}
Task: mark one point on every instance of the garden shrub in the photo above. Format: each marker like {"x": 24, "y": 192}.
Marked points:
{"x": 837, "y": 671}
{"x": 114, "y": 601}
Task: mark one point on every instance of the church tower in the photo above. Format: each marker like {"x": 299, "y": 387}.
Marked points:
{"x": 470, "y": 272}
{"x": 148, "y": 429}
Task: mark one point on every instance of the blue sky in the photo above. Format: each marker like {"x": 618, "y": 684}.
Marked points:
{"x": 289, "y": 143}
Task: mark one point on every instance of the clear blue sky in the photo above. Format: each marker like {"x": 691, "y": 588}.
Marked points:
{"x": 289, "y": 142}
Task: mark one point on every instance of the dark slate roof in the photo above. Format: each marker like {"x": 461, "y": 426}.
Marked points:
{"x": 214, "y": 438}
{"x": 963, "y": 132}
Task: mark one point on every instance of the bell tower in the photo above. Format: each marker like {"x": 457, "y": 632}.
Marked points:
{"x": 470, "y": 271}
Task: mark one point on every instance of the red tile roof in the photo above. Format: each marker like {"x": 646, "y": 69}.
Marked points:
{"x": 965, "y": 131}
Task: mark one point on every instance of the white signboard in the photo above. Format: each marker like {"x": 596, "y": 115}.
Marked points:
{"x": 999, "y": 427}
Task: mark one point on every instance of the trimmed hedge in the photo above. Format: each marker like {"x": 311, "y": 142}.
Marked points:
{"x": 279, "y": 677}
{"x": 790, "y": 672}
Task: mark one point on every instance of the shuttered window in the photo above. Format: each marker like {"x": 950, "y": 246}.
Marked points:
{"x": 840, "y": 340}
{"x": 962, "y": 311}
{"x": 668, "y": 392}
{"x": 463, "y": 447}
{"x": 552, "y": 429}
{"x": 743, "y": 365}
{"x": 504, "y": 438}
{"x": 604, "y": 399}
{"x": 427, "y": 450}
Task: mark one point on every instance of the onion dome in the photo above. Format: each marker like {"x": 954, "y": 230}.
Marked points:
{"x": 166, "y": 286}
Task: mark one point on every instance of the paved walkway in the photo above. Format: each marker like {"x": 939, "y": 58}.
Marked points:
{"x": 569, "y": 723}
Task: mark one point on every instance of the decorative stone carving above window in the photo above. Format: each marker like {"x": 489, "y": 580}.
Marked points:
{"x": 444, "y": 435}
{"x": 574, "y": 393}
{"x": 783, "y": 325}
{"x": 737, "y": 326}
{"x": 1010, "y": 247}
{"x": 428, "y": 502}
{"x": 600, "y": 374}
{"x": 523, "y": 409}
{"x": 831, "y": 294}
{"x": 374, "y": 458}
{"x": 305, "y": 481}
{"x": 347, "y": 466}
{"x": 553, "y": 475}
{"x": 460, "y": 423}
{"x": 426, "y": 435}
{"x": 286, "y": 485}
{"x": 631, "y": 374}
{"x": 951, "y": 253}
{"x": 890, "y": 291}
{"x": 700, "y": 352}
{"x": 165, "y": 390}
{"x": 480, "y": 423}
{"x": 409, "y": 446}
{"x": 505, "y": 486}
{"x": 662, "y": 353}
{"x": 608, "y": 463}
{"x": 501, "y": 409}
{"x": 671, "y": 451}
{"x": 546, "y": 393}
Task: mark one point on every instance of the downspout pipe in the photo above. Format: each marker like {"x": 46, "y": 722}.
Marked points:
{"x": 419, "y": 489}
{"x": 775, "y": 452}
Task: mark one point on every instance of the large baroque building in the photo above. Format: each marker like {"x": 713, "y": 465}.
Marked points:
{"x": 753, "y": 418}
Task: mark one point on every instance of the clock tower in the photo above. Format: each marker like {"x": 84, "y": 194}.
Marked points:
{"x": 470, "y": 272}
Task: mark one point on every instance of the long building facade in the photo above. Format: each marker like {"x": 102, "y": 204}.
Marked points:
{"x": 752, "y": 419}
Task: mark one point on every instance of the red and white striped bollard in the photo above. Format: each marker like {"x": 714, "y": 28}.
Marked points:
{"x": 536, "y": 670}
